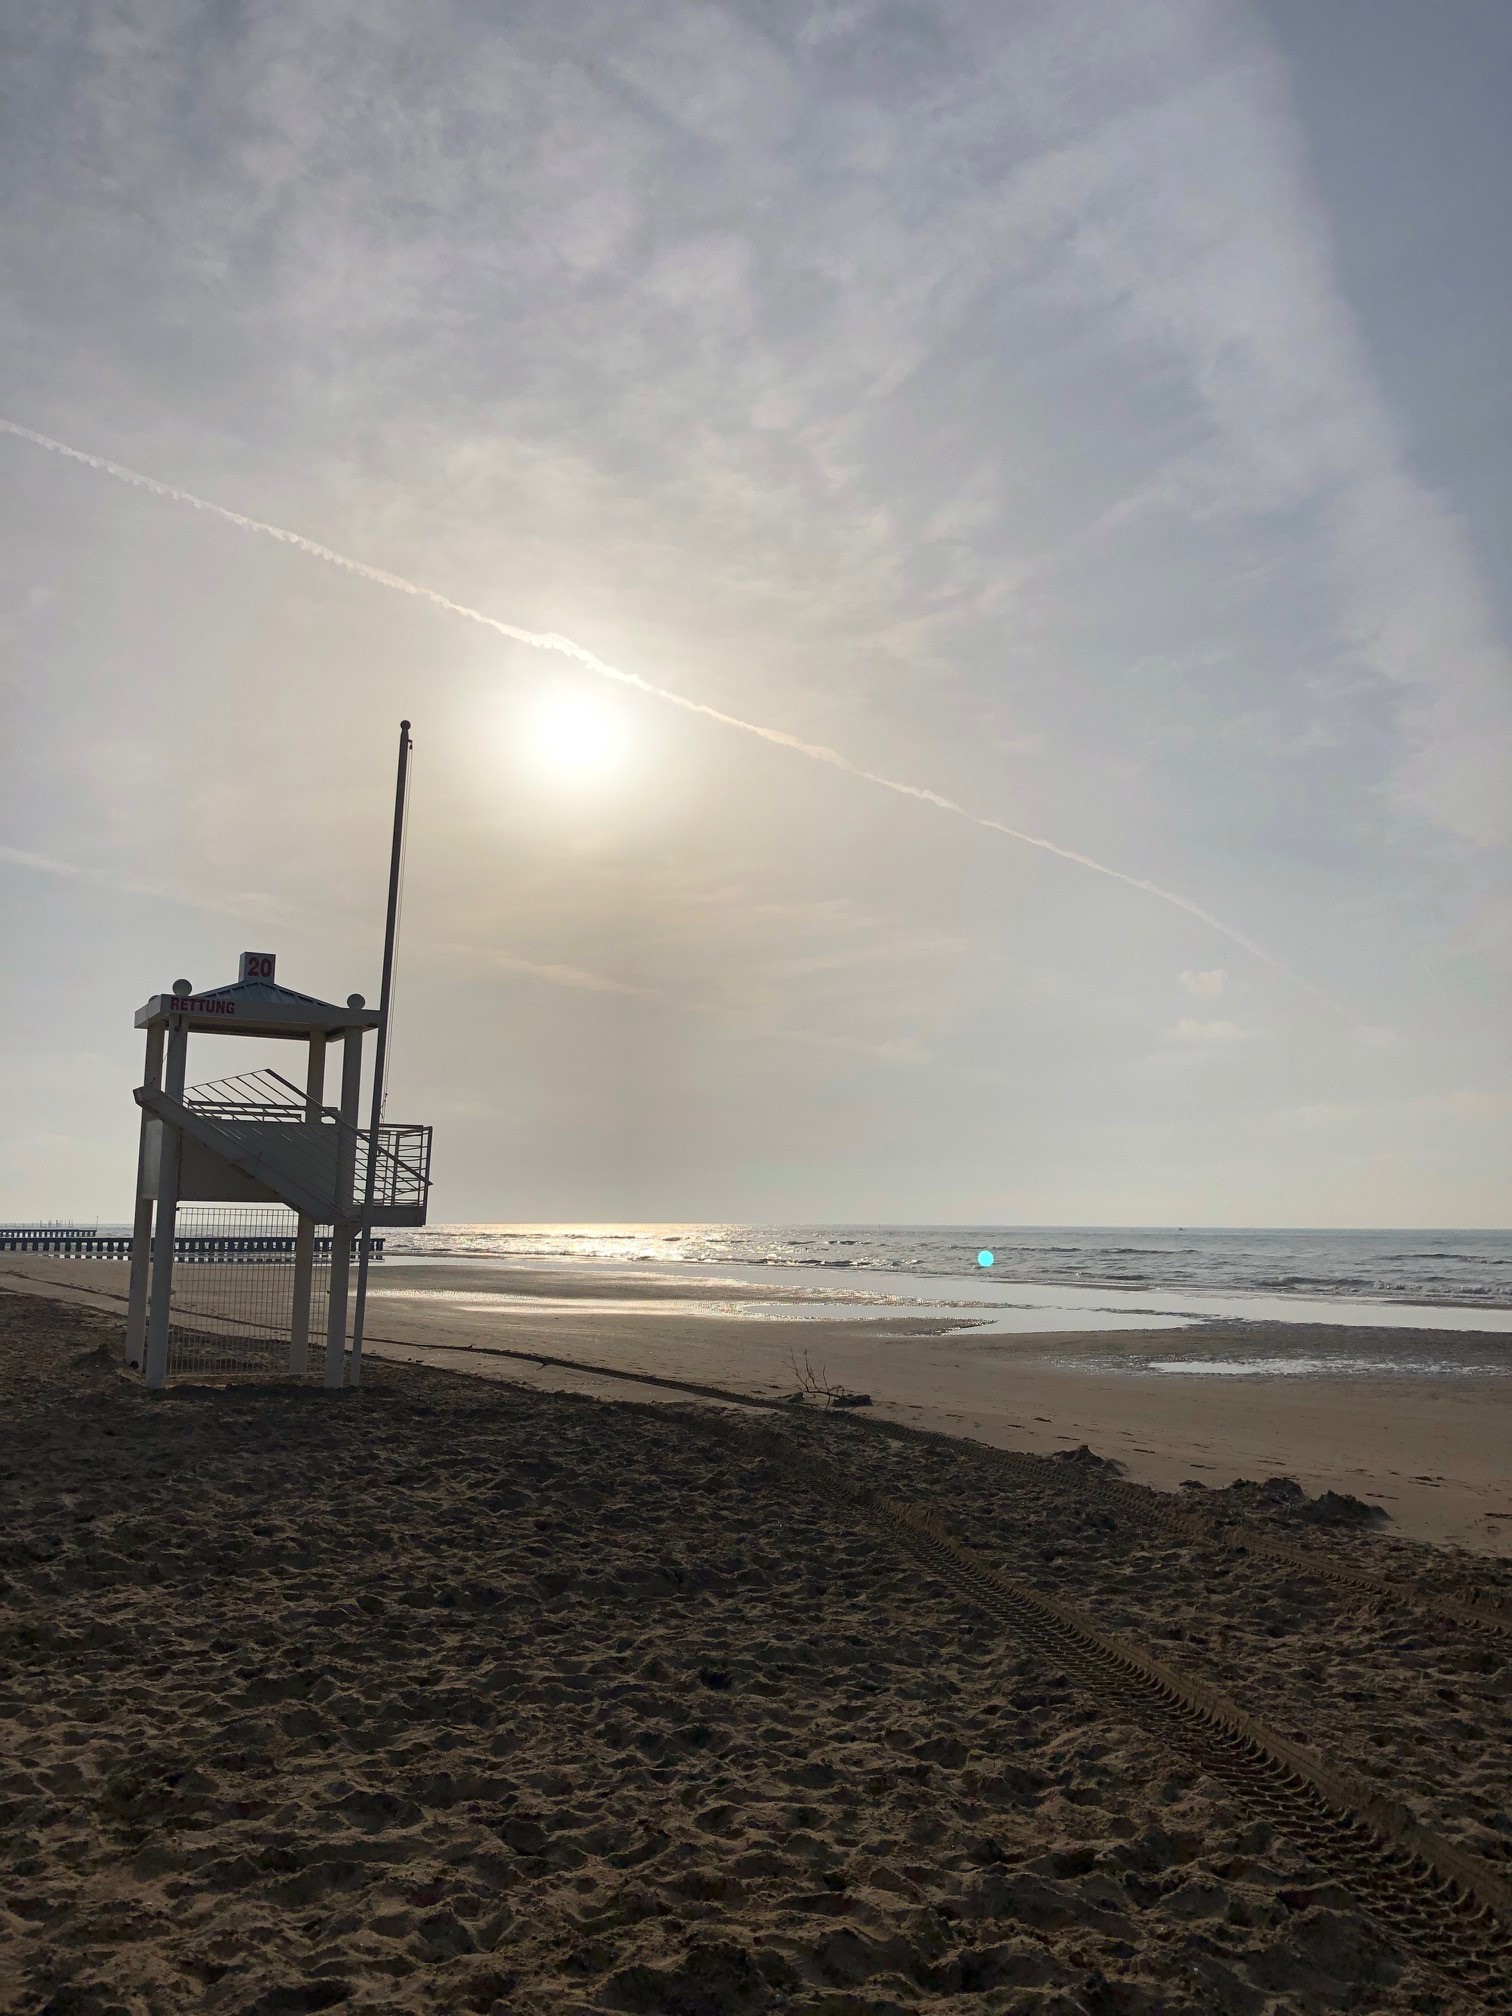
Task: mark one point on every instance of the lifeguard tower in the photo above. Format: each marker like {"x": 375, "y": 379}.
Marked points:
{"x": 260, "y": 1139}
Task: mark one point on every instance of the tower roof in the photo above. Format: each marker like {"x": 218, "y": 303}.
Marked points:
{"x": 256, "y": 1008}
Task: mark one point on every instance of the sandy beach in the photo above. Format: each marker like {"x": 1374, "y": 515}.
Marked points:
{"x": 1430, "y": 1451}
{"x": 459, "y": 1693}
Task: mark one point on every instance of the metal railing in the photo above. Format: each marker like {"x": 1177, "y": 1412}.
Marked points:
{"x": 315, "y": 1143}
{"x": 401, "y": 1167}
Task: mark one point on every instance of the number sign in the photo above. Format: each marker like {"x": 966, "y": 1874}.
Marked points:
{"x": 256, "y": 966}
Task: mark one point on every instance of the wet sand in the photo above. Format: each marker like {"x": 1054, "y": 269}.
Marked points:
{"x": 457, "y": 1694}
{"x": 1431, "y": 1451}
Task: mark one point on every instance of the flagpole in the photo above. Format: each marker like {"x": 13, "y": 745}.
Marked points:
{"x": 380, "y": 1060}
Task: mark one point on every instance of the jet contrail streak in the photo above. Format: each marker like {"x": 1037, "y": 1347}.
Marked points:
{"x": 551, "y": 640}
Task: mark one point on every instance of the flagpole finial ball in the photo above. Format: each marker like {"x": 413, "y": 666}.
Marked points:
{"x": 355, "y": 1001}
{"x": 183, "y": 987}
{"x": 405, "y": 726}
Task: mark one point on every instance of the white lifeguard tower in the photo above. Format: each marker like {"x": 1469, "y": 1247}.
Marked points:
{"x": 261, "y": 1139}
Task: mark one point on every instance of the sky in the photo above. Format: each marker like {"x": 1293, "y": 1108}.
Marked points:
{"x": 1091, "y": 418}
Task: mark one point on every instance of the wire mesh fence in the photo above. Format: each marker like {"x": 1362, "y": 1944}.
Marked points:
{"x": 232, "y": 1310}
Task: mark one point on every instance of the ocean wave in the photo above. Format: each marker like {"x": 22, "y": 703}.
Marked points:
{"x": 1470, "y": 1270}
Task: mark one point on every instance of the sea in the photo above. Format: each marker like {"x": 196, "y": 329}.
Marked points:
{"x": 1026, "y": 1278}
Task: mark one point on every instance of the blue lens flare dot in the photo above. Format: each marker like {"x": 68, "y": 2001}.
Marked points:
{"x": 984, "y": 1258}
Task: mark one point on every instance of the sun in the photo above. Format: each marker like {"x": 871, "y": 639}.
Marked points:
{"x": 576, "y": 736}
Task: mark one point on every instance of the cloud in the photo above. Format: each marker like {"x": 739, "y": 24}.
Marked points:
{"x": 1206, "y": 984}
{"x": 969, "y": 390}
{"x": 227, "y": 904}
{"x": 41, "y": 864}
{"x": 554, "y": 972}
{"x": 1317, "y": 1114}
{"x": 1189, "y": 1031}
{"x": 568, "y": 647}
{"x": 1196, "y": 230}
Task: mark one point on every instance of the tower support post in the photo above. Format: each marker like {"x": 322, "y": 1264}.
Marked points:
{"x": 304, "y": 1232}
{"x": 141, "y": 1231}
{"x": 167, "y": 1209}
{"x": 345, "y": 1225}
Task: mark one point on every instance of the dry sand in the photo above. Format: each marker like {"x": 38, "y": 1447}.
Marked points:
{"x": 451, "y": 1694}
{"x": 1435, "y": 1453}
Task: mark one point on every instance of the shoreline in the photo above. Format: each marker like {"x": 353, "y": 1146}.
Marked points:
{"x": 1001, "y": 1301}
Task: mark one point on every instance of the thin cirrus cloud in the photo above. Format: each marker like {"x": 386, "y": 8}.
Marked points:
{"x": 1219, "y": 256}
{"x": 1190, "y": 1030}
{"x": 569, "y": 648}
{"x": 556, "y": 972}
{"x": 1206, "y": 983}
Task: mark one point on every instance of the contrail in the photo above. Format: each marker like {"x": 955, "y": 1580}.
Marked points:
{"x": 551, "y": 640}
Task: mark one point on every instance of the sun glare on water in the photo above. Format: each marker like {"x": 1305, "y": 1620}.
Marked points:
{"x": 576, "y": 737}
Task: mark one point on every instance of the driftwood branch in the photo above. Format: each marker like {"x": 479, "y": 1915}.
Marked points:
{"x": 817, "y": 1387}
